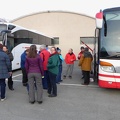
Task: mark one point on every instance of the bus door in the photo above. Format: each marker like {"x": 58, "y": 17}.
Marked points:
{"x": 10, "y": 45}
{"x": 95, "y": 60}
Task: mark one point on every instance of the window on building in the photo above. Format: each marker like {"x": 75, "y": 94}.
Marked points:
{"x": 55, "y": 40}
{"x": 87, "y": 40}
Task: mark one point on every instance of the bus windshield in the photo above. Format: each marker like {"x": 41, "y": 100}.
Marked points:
{"x": 110, "y": 36}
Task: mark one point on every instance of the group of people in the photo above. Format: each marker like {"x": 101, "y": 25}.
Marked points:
{"x": 42, "y": 70}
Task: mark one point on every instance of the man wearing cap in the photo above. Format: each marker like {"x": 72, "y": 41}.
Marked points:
{"x": 85, "y": 63}
{"x": 79, "y": 56}
{"x": 81, "y": 52}
{"x": 44, "y": 54}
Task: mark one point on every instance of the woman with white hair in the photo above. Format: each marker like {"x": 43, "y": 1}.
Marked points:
{"x": 44, "y": 54}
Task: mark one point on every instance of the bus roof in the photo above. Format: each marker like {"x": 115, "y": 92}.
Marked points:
{"x": 112, "y": 9}
{"x": 15, "y": 28}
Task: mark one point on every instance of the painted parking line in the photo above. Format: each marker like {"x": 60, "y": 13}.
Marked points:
{"x": 63, "y": 84}
{"x": 17, "y": 80}
{"x": 78, "y": 85}
{"x": 67, "y": 84}
{"x": 16, "y": 75}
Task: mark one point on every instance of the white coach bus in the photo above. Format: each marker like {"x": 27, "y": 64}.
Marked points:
{"x": 18, "y": 39}
{"x": 108, "y": 50}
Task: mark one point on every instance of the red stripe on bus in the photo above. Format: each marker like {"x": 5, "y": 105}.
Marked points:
{"x": 111, "y": 76}
{"x": 108, "y": 84}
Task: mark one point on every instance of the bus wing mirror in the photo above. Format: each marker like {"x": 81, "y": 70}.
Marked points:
{"x": 99, "y": 20}
{"x": 11, "y": 27}
{"x": 6, "y": 31}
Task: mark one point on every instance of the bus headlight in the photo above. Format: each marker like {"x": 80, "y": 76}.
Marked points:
{"x": 108, "y": 69}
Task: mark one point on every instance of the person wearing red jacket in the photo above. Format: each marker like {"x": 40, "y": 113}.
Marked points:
{"x": 85, "y": 63}
{"x": 69, "y": 60}
{"x": 81, "y": 52}
{"x": 79, "y": 56}
{"x": 44, "y": 54}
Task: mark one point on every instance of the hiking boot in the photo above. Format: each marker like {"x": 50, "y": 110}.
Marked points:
{"x": 32, "y": 102}
{"x": 40, "y": 102}
{"x": 51, "y": 95}
{"x": 11, "y": 88}
{"x": 85, "y": 83}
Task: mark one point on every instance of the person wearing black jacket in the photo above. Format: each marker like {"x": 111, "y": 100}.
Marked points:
{"x": 10, "y": 81}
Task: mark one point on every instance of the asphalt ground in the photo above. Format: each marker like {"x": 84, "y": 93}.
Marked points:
{"x": 74, "y": 101}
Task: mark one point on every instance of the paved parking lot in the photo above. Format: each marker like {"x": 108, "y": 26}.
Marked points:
{"x": 74, "y": 102}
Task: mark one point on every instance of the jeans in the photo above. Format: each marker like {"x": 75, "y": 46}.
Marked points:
{"x": 86, "y": 75}
{"x": 52, "y": 87}
{"x": 45, "y": 80}
{"x": 24, "y": 76}
{"x": 2, "y": 88}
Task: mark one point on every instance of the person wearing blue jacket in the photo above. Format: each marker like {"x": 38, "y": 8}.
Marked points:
{"x": 22, "y": 63}
{"x": 58, "y": 78}
{"x": 10, "y": 81}
{"x": 5, "y": 71}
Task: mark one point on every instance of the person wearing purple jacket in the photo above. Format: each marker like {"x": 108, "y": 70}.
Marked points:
{"x": 34, "y": 69}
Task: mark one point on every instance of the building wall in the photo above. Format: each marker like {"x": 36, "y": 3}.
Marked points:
{"x": 68, "y": 26}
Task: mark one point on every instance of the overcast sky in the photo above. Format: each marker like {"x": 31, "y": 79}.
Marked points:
{"x": 12, "y": 9}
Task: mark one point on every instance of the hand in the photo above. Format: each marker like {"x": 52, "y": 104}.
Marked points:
{"x": 42, "y": 76}
{"x": 10, "y": 73}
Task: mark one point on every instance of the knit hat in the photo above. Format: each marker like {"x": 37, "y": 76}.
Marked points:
{"x": 59, "y": 50}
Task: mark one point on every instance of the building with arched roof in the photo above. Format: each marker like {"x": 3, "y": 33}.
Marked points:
{"x": 68, "y": 29}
